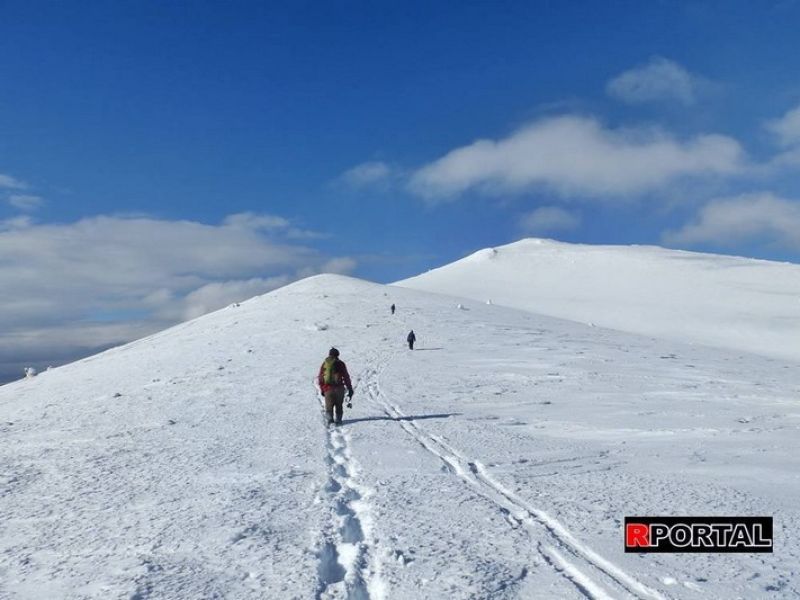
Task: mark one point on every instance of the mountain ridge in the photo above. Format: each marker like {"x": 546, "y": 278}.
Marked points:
{"x": 196, "y": 463}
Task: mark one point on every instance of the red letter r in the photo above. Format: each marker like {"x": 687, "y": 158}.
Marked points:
{"x": 637, "y": 535}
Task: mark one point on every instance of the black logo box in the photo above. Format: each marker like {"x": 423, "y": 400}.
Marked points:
{"x": 666, "y": 546}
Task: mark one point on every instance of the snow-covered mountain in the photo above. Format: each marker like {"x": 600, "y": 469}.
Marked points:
{"x": 496, "y": 460}
{"x": 724, "y": 301}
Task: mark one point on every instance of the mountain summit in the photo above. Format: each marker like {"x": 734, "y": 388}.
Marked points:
{"x": 729, "y": 302}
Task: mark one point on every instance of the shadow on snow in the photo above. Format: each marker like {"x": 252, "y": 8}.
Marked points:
{"x": 405, "y": 418}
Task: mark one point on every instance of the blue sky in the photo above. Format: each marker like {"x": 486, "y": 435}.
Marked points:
{"x": 161, "y": 159}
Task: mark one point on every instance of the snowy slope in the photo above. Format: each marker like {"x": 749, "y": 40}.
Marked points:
{"x": 497, "y": 460}
{"x": 724, "y": 301}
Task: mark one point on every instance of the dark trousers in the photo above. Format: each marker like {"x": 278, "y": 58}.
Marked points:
{"x": 334, "y": 398}
{"x": 410, "y": 344}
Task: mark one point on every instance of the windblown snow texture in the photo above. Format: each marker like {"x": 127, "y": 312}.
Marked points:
{"x": 496, "y": 460}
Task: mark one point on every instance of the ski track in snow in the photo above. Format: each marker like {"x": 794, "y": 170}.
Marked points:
{"x": 516, "y": 511}
{"x": 186, "y": 465}
{"x": 348, "y": 561}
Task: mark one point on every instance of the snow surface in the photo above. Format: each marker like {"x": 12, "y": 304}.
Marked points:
{"x": 724, "y": 301}
{"x": 497, "y": 460}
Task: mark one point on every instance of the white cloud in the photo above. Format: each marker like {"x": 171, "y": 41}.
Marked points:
{"x": 367, "y": 173}
{"x": 222, "y": 293}
{"x": 787, "y": 128}
{"x": 255, "y": 221}
{"x": 25, "y": 202}
{"x": 19, "y": 222}
{"x": 271, "y": 224}
{"x": 105, "y": 279}
{"x": 548, "y": 219}
{"x": 658, "y": 80}
{"x": 788, "y": 158}
{"x": 577, "y": 155}
{"x": 214, "y": 295}
{"x": 341, "y": 265}
{"x": 760, "y": 217}
{"x": 8, "y": 182}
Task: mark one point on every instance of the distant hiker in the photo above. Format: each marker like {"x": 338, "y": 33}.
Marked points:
{"x": 333, "y": 378}
{"x": 411, "y": 339}
{"x": 392, "y": 308}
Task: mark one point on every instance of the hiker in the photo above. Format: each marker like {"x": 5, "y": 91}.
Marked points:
{"x": 333, "y": 379}
{"x": 392, "y": 308}
{"x": 411, "y": 339}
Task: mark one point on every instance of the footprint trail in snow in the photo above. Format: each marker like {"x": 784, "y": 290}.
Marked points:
{"x": 348, "y": 562}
